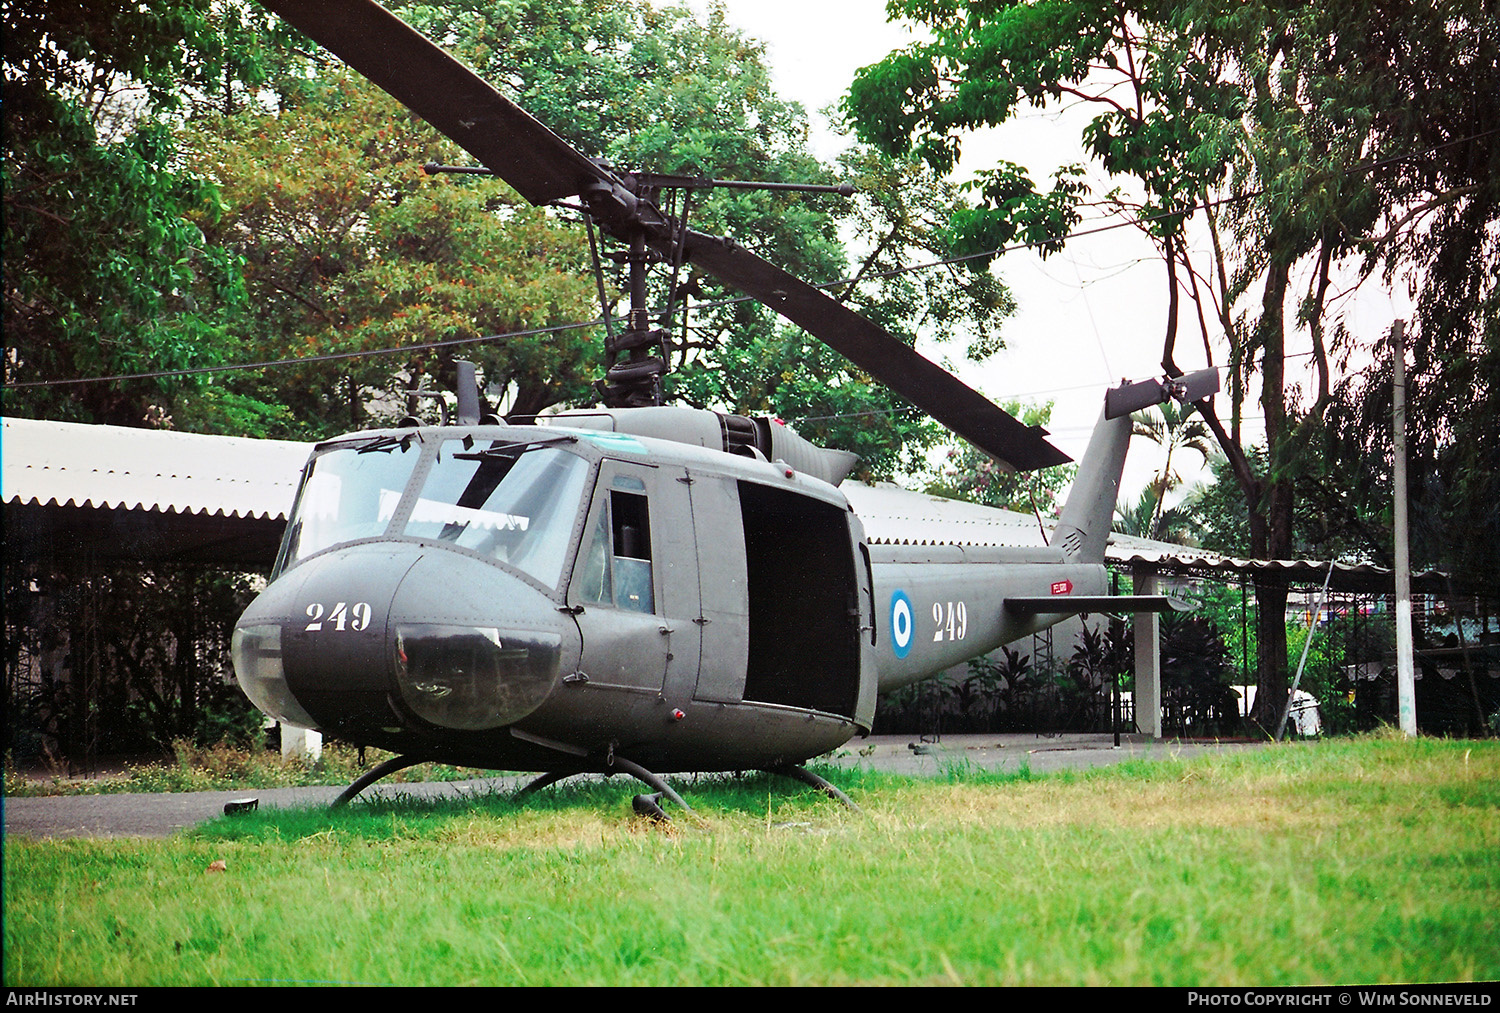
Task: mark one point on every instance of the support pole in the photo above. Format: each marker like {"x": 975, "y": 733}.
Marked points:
{"x": 1117, "y": 634}
{"x": 1312, "y": 629}
{"x": 1406, "y": 690}
{"x": 1147, "y": 659}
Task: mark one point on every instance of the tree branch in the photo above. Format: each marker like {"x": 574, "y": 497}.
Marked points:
{"x": 1446, "y": 197}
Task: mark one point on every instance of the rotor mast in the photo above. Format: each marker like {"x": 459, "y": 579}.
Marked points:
{"x": 625, "y": 205}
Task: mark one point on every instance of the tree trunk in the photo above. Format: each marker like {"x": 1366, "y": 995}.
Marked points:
{"x": 1270, "y": 651}
{"x": 1271, "y": 589}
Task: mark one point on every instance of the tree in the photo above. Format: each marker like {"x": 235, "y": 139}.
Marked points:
{"x": 1173, "y": 429}
{"x": 1195, "y": 676}
{"x": 349, "y": 247}
{"x": 1311, "y": 142}
{"x": 1146, "y": 519}
{"x": 971, "y": 475}
{"x": 1330, "y": 519}
{"x": 1453, "y": 440}
{"x": 106, "y": 269}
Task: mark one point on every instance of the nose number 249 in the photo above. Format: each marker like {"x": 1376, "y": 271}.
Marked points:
{"x": 343, "y": 617}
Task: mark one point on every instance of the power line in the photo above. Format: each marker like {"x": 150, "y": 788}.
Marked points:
{"x": 302, "y": 360}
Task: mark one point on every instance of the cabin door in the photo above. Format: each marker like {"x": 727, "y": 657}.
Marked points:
{"x": 635, "y": 580}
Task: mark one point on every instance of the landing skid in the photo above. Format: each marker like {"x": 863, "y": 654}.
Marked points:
{"x": 618, "y": 763}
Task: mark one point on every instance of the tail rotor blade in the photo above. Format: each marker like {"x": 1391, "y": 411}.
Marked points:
{"x": 1196, "y": 386}
{"x": 1133, "y": 397}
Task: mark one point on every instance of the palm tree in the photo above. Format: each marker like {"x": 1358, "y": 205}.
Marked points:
{"x": 1174, "y": 429}
{"x": 1146, "y": 519}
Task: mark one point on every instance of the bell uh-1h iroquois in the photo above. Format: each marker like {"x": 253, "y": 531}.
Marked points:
{"x": 637, "y": 588}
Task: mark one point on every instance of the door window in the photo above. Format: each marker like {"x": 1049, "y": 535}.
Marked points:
{"x": 616, "y": 567}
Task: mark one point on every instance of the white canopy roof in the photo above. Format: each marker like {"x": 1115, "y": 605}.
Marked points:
{"x": 148, "y": 494}
{"x": 111, "y": 467}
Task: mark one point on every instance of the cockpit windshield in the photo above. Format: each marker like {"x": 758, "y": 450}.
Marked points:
{"x": 350, "y": 492}
{"x": 515, "y": 503}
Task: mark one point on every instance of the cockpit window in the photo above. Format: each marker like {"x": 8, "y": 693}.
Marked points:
{"x": 349, "y": 492}
{"x": 514, "y": 504}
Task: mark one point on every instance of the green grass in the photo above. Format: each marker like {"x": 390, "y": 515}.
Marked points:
{"x": 1356, "y": 861}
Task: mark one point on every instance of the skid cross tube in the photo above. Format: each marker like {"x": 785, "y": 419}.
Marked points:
{"x": 635, "y": 770}
{"x": 374, "y": 774}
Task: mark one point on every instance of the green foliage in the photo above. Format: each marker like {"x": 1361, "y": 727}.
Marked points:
{"x": 1010, "y": 691}
{"x": 120, "y": 660}
{"x": 103, "y": 274}
{"x": 1230, "y": 611}
{"x": 981, "y": 63}
{"x": 1453, "y": 438}
{"x": 348, "y": 246}
{"x": 1334, "y": 516}
{"x": 1253, "y": 867}
{"x": 1195, "y": 677}
{"x": 1145, "y": 518}
{"x": 971, "y": 475}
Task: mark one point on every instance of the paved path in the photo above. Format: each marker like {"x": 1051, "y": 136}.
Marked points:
{"x": 162, "y": 814}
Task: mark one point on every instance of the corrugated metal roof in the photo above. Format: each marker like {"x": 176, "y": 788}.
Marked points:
{"x": 896, "y": 516}
{"x": 899, "y": 516}
{"x": 1360, "y": 576}
{"x": 152, "y": 476}
{"x": 114, "y": 468}
{"x": 104, "y": 493}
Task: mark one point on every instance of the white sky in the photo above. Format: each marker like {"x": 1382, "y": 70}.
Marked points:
{"x": 1088, "y": 316}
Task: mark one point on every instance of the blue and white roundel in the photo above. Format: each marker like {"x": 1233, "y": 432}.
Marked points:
{"x": 903, "y": 623}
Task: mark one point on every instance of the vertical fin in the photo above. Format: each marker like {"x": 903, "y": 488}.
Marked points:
{"x": 1090, "y": 510}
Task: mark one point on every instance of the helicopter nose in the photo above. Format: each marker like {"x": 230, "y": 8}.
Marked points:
{"x": 385, "y": 637}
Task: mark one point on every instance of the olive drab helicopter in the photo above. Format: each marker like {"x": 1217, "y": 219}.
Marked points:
{"x": 636, "y": 588}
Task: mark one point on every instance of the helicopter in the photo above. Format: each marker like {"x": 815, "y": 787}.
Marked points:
{"x": 636, "y": 588}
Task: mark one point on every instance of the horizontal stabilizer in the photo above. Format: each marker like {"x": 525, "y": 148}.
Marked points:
{"x": 1112, "y": 603}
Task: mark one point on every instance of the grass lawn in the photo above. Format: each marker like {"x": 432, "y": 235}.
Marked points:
{"x": 1346, "y": 861}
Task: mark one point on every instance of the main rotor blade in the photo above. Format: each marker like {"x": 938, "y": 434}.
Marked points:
{"x": 894, "y": 364}
{"x": 504, "y": 137}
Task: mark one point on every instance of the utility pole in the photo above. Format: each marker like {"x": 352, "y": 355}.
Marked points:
{"x": 1406, "y": 687}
